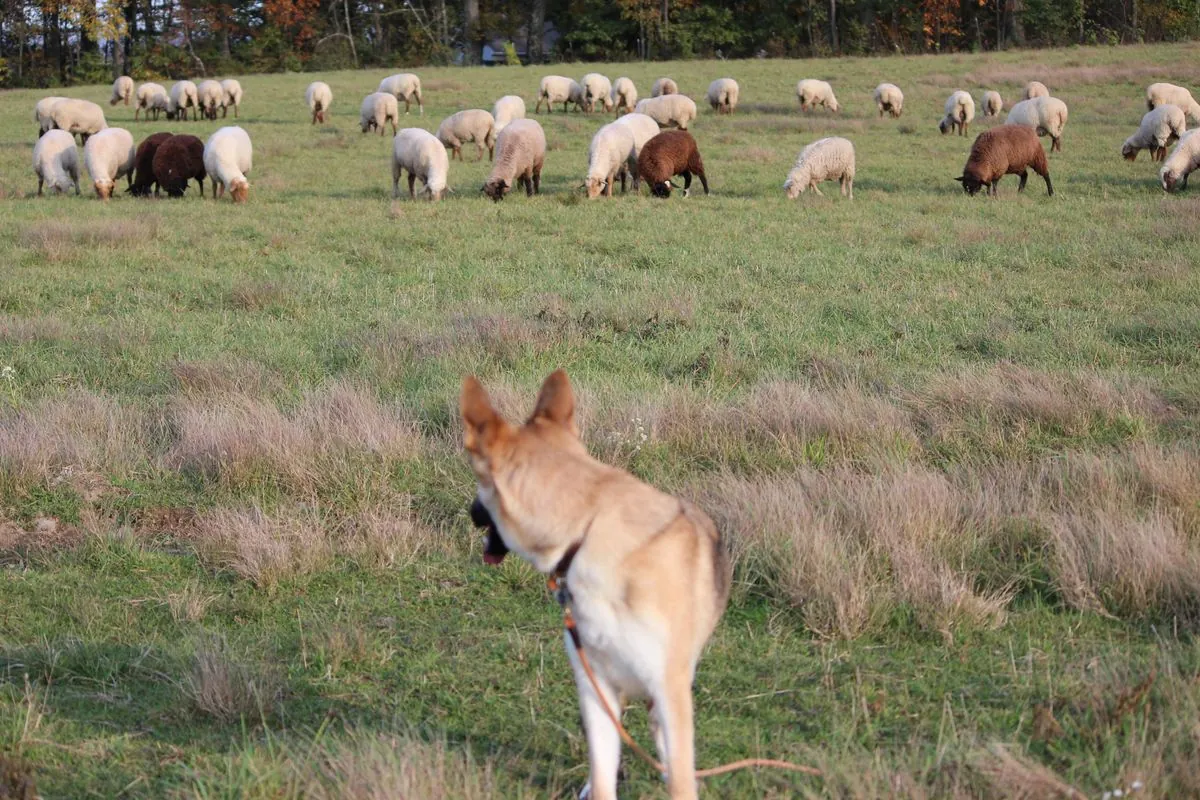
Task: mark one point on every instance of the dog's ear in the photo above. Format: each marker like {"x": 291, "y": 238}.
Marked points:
{"x": 556, "y": 401}
{"x": 481, "y": 424}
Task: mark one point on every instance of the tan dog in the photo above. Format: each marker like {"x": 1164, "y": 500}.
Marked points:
{"x": 646, "y": 574}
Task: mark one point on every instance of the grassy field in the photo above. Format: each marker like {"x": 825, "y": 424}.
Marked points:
{"x": 954, "y": 443}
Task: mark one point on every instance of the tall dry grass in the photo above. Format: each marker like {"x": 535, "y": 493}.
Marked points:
{"x": 228, "y": 689}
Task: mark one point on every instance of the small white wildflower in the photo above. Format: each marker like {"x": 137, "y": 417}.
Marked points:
{"x": 1118, "y": 793}
{"x": 1106, "y": 796}
{"x": 8, "y": 373}
{"x": 1137, "y": 786}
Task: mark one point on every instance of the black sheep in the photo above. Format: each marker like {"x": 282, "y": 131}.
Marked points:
{"x": 178, "y": 160}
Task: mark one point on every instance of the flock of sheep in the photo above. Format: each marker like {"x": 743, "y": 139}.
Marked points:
{"x": 638, "y": 145}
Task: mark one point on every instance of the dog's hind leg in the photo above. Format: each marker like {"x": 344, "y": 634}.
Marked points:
{"x": 675, "y": 717}
{"x": 604, "y": 743}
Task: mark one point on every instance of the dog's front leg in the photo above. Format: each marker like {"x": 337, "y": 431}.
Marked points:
{"x": 604, "y": 743}
{"x": 677, "y": 744}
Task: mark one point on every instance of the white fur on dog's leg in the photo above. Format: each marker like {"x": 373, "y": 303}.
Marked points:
{"x": 604, "y": 742}
{"x": 586, "y": 792}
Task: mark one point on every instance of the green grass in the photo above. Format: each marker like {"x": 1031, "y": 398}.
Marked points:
{"x": 990, "y": 407}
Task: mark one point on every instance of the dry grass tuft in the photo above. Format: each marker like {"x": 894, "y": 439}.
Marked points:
{"x": 260, "y": 296}
{"x": 261, "y": 548}
{"x": 59, "y": 240}
{"x": 232, "y": 375}
{"x": 25, "y": 330}
{"x": 1015, "y": 778}
{"x": 16, "y": 779}
{"x": 758, "y": 155}
{"x": 229, "y": 690}
{"x": 189, "y": 604}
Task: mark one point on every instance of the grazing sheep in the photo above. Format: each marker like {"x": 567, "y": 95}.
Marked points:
{"x": 178, "y": 160}
{"x": 644, "y": 129}
{"x": 403, "y": 86}
{"x": 420, "y": 152}
{"x": 520, "y": 152}
{"x": 143, "y": 177}
{"x": 723, "y": 95}
{"x": 41, "y": 113}
{"x": 1159, "y": 128}
{"x": 664, "y": 86}
{"x": 233, "y": 97}
{"x": 1034, "y": 89}
{"x": 122, "y": 89}
{"x": 473, "y": 125}
{"x": 1184, "y": 160}
{"x": 109, "y": 156}
{"x": 666, "y": 155}
{"x": 378, "y": 109}
{"x": 624, "y": 95}
{"x": 993, "y": 103}
{"x": 813, "y": 93}
{"x": 210, "y": 96}
{"x": 227, "y": 159}
{"x": 889, "y": 98}
{"x": 81, "y": 117}
{"x": 668, "y": 110}
{"x": 558, "y": 89}
{"x": 319, "y": 97}
{"x": 596, "y": 89}
{"x": 507, "y": 109}
{"x": 56, "y": 162}
{"x": 1047, "y": 115}
{"x": 183, "y": 96}
{"x": 830, "y": 159}
{"x": 151, "y": 97}
{"x": 608, "y": 156}
{"x": 1004, "y": 150}
{"x": 1159, "y": 94}
{"x": 960, "y": 110}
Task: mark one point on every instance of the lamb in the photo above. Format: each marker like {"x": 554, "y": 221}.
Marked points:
{"x": 1158, "y": 94}
{"x": 227, "y": 159}
{"x": 520, "y": 152}
{"x": 109, "y": 156}
{"x": 664, "y": 86}
{"x": 993, "y": 103}
{"x": 210, "y": 96}
{"x": 1034, "y": 89}
{"x": 41, "y": 113}
{"x": 378, "y": 109}
{"x": 1159, "y": 128}
{"x": 403, "y": 86}
{"x": 81, "y": 117}
{"x": 558, "y": 89}
{"x": 1184, "y": 160}
{"x": 889, "y": 98}
{"x": 624, "y": 95}
{"x": 143, "y": 159}
{"x": 122, "y": 89}
{"x": 960, "y": 110}
{"x": 56, "y": 162}
{"x": 643, "y": 129}
{"x": 666, "y": 155}
{"x": 669, "y": 110}
{"x": 178, "y": 160}
{"x": 420, "y": 152}
{"x": 813, "y": 93}
{"x": 473, "y": 125}
{"x": 183, "y": 96}
{"x": 151, "y": 97}
{"x": 507, "y": 109}
{"x": 596, "y": 89}
{"x": 233, "y": 97}
{"x": 830, "y": 159}
{"x": 1047, "y": 115}
{"x": 608, "y": 156}
{"x": 1004, "y": 150}
{"x": 319, "y": 97}
{"x": 723, "y": 95}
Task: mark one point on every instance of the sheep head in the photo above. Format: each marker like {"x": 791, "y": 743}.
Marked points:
{"x": 945, "y": 126}
{"x": 594, "y": 186}
{"x": 240, "y": 191}
{"x": 661, "y": 189}
{"x": 1129, "y": 153}
{"x": 793, "y": 188}
{"x": 104, "y": 189}
{"x": 497, "y": 188}
{"x": 971, "y": 183}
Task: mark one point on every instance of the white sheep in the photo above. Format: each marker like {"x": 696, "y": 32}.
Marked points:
{"x": 56, "y": 162}
{"x": 644, "y": 129}
{"x": 664, "y": 86}
{"x": 1184, "y": 160}
{"x": 210, "y": 96}
{"x": 596, "y": 89}
{"x": 81, "y": 117}
{"x": 1048, "y": 115}
{"x": 608, "y": 159}
{"x": 151, "y": 97}
{"x": 668, "y": 110}
{"x": 378, "y": 109}
{"x": 420, "y": 152}
{"x": 319, "y": 97}
{"x": 812, "y": 93}
{"x": 624, "y": 95}
{"x": 507, "y": 109}
{"x": 41, "y": 113}
{"x": 889, "y": 98}
{"x": 183, "y": 96}
{"x": 1159, "y": 128}
{"x": 960, "y": 110}
{"x": 830, "y": 159}
{"x": 1034, "y": 89}
{"x": 228, "y": 156}
{"x": 993, "y": 103}
{"x": 723, "y": 95}
{"x": 520, "y": 153}
{"x": 233, "y": 97}
{"x": 404, "y": 86}
{"x": 122, "y": 90}
{"x": 108, "y": 156}
{"x": 558, "y": 89}
{"x": 1158, "y": 94}
{"x": 472, "y": 125}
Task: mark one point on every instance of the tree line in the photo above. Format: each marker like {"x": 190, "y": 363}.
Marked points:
{"x": 59, "y": 42}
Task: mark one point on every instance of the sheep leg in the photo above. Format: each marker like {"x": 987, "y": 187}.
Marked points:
{"x": 235, "y": 112}
{"x": 1057, "y": 143}
{"x": 136, "y": 111}
{"x": 41, "y": 182}
{"x": 815, "y": 188}
{"x": 491, "y": 152}
{"x": 537, "y": 179}
{"x": 850, "y": 187}
{"x": 528, "y": 185}
{"x": 479, "y": 149}
{"x": 1049, "y": 186}
{"x": 703, "y": 180}
{"x": 624, "y": 173}
{"x": 412, "y": 179}
{"x": 200, "y": 183}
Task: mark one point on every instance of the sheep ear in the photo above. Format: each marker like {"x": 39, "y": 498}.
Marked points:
{"x": 961, "y": 178}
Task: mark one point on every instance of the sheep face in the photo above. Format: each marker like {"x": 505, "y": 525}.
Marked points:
{"x": 945, "y": 126}
{"x": 1129, "y": 153}
{"x": 793, "y": 188}
{"x": 104, "y": 189}
{"x": 970, "y": 183}
{"x": 595, "y": 187}
{"x": 240, "y": 191}
{"x": 496, "y": 189}
{"x": 1171, "y": 182}
{"x": 661, "y": 189}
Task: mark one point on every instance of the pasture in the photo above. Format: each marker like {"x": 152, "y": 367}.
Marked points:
{"x": 952, "y": 440}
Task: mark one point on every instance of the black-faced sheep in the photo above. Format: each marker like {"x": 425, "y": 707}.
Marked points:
{"x": 666, "y": 155}
{"x": 1004, "y": 150}
{"x": 178, "y": 160}
{"x": 143, "y": 165}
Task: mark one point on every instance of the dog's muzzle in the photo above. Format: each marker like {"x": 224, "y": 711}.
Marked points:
{"x": 494, "y": 549}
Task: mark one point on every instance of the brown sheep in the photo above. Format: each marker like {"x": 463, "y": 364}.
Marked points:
{"x": 177, "y": 161}
{"x": 143, "y": 165}
{"x": 668, "y": 154}
{"x": 1004, "y": 150}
